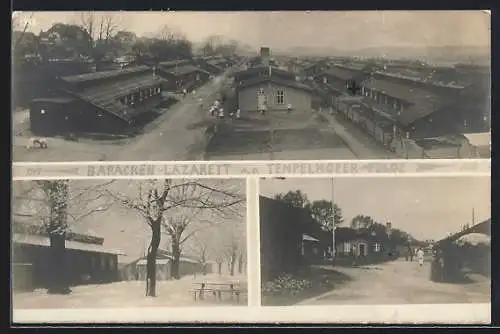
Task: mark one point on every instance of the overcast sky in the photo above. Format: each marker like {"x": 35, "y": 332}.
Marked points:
{"x": 339, "y": 30}
{"x": 426, "y": 207}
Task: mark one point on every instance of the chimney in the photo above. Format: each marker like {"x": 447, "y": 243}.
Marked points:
{"x": 265, "y": 54}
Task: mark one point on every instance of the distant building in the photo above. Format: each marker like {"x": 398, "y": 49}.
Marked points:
{"x": 188, "y": 265}
{"x": 87, "y": 260}
{"x": 100, "y": 102}
{"x": 184, "y": 76}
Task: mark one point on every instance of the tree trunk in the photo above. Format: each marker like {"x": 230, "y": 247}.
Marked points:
{"x": 151, "y": 260}
{"x": 176, "y": 253}
{"x": 232, "y": 265}
{"x": 219, "y": 269}
{"x": 57, "y": 280}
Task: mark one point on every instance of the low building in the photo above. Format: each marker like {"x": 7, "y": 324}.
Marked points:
{"x": 273, "y": 93}
{"x": 87, "y": 260}
{"x": 280, "y": 238}
{"x": 182, "y": 77}
{"x": 477, "y": 258}
{"x": 208, "y": 64}
{"x": 360, "y": 246}
{"x": 100, "y": 102}
{"x": 187, "y": 266}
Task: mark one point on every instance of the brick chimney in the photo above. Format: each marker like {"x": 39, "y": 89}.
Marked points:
{"x": 265, "y": 54}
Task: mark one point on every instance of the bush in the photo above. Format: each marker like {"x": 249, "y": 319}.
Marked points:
{"x": 286, "y": 284}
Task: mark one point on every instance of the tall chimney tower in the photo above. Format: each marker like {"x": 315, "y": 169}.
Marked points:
{"x": 265, "y": 54}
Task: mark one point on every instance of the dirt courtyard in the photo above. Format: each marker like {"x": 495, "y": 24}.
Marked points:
{"x": 401, "y": 282}
{"x": 125, "y": 294}
{"x": 278, "y": 135}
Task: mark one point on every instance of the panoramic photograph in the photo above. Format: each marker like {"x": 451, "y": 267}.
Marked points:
{"x": 110, "y": 86}
{"x": 128, "y": 243}
{"x": 375, "y": 241}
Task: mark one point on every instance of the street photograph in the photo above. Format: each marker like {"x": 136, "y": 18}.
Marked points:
{"x": 375, "y": 240}
{"x": 189, "y": 86}
{"x": 99, "y": 244}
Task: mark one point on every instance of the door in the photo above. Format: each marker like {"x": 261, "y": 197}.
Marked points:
{"x": 362, "y": 249}
{"x": 261, "y": 99}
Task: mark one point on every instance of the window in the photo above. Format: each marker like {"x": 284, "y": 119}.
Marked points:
{"x": 42, "y": 111}
{"x": 347, "y": 247}
{"x": 376, "y": 247}
{"x": 280, "y": 96}
{"x": 260, "y": 91}
{"x": 363, "y": 91}
{"x": 395, "y": 104}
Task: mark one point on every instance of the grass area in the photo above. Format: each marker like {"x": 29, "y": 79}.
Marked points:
{"x": 307, "y": 283}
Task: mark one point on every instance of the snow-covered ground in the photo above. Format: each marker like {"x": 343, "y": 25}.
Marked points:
{"x": 129, "y": 294}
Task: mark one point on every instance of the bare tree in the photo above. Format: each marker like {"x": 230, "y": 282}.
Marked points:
{"x": 52, "y": 208}
{"x": 172, "y": 205}
{"x": 88, "y": 23}
{"x": 16, "y": 20}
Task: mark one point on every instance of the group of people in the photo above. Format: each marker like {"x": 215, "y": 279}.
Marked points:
{"x": 217, "y": 110}
{"x": 419, "y": 253}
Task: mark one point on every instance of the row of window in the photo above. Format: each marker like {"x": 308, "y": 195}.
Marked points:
{"x": 105, "y": 263}
{"x": 382, "y": 98}
{"x": 279, "y": 95}
{"x": 138, "y": 97}
{"x": 348, "y": 247}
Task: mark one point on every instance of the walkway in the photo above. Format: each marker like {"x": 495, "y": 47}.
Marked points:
{"x": 400, "y": 282}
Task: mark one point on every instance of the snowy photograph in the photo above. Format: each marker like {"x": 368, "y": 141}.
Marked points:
{"x": 128, "y": 243}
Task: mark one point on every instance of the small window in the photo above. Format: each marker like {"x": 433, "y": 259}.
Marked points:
{"x": 260, "y": 91}
{"x": 395, "y": 104}
{"x": 347, "y": 247}
{"x": 42, "y": 111}
{"x": 280, "y": 96}
{"x": 376, "y": 247}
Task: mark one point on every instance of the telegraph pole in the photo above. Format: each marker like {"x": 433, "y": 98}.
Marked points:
{"x": 333, "y": 224}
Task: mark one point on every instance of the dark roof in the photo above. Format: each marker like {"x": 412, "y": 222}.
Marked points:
{"x": 483, "y": 227}
{"x": 422, "y": 102}
{"x": 278, "y": 81}
{"x": 59, "y": 100}
{"x": 343, "y": 73}
{"x": 104, "y": 74}
{"x": 106, "y": 96}
{"x": 172, "y": 63}
{"x": 183, "y": 70}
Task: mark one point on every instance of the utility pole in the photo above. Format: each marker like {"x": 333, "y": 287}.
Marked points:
{"x": 473, "y": 218}
{"x": 333, "y": 224}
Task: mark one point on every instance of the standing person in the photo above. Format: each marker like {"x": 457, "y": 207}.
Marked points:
{"x": 420, "y": 257}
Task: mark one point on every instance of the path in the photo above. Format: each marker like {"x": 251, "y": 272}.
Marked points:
{"x": 400, "y": 282}
{"x": 361, "y": 144}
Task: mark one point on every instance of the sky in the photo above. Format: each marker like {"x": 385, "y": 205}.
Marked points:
{"x": 346, "y": 30}
{"x": 125, "y": 229}
{"x": 425, "y": 207}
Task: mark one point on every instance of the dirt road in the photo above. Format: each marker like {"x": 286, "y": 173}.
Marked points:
{"x": 173, "y": 136}
{"x": 400, "y": 282}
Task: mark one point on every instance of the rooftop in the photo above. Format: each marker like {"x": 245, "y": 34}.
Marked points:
{"x": 106, "y": 96}
{"x": 278, "y": 81}
{"x": 39, "y": 240}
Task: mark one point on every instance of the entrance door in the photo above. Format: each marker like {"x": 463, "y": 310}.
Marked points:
{"x": 362, "y": 249}
{"x": 261, "y": 99}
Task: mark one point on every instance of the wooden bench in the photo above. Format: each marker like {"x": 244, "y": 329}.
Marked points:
{"x": 216, "y": 289}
